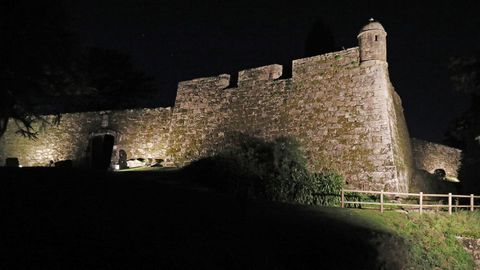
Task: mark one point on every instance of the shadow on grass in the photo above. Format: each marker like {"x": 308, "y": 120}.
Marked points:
{"x": 73, "y": 219}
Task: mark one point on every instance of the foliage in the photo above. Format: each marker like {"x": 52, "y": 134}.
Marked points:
{"x": 274, "y": 171}
{"x": 360, "y": 197}
{"x": 35, "y": 57}
{"x": 43, "y": 62}
{"x": 465, "y": 74}
{"x": 110, "y": 73}
{"x": 326, "y": 189}
{"x": 465, "y": 131}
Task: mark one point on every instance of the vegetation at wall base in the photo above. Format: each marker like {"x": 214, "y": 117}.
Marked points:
{"x": 271, "y": 170}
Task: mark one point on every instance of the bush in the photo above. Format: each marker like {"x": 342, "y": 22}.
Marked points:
{"x": 324, "y": 188}
{"x": 274, "y": 171}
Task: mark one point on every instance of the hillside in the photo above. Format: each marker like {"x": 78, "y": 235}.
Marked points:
{"x": 60, "y": 219}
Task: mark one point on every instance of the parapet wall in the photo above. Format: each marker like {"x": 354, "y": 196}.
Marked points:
{"x": 430, "y": 156}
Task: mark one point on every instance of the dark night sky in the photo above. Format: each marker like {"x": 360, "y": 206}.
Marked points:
{"x": 182, "y": 41}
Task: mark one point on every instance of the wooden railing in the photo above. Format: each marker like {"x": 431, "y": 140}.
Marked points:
{"x": 421, "y": 198}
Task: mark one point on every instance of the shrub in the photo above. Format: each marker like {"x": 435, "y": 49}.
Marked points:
{"x": 274, "y": 171}
{"x": 326, "y": 188}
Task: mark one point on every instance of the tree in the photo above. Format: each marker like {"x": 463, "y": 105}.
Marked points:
{"x": 465, "y": 77}
{"x": 113, "y": 78}
{"x": 42, "y": 62}
{"x": 36, "y": 52}
{"x": 464, "y": 133}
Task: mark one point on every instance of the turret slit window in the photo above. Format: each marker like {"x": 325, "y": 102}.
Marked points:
{"x": 376, "y": 38}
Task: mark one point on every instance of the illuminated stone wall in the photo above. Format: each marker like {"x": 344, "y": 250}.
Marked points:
{"x": 344, "y": 112}
{"x": 68, "y": 140}
{"x": 401, "y": 144}
{"x": 207, "y": 113}
{"x": 430, "y": 156}
{"x": 346, "y": 116}
{"x": 141, "y": 133}
{"x": 343, "y": 120}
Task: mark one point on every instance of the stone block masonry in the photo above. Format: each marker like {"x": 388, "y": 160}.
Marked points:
{"x": 141, "y": 133}
{"x": 345, "y": 106}
{"x": 340, "y": 106}
{"x": 430, "y": 156}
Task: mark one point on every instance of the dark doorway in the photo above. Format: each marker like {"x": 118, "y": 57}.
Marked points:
{"x": 101, "y": 147}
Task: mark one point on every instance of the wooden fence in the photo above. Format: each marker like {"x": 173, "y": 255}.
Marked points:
{"x": 421, "y": 200}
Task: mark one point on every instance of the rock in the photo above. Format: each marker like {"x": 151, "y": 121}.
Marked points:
{"x": 135, "y": 163}
{"x": 472, "y": 246}
{"x": 157, "y": 163}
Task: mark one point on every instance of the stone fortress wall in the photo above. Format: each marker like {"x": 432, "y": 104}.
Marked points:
{"x": 340, "y": 106}
{"x": 430, "y": 156}
{"x": 141, "y": 133}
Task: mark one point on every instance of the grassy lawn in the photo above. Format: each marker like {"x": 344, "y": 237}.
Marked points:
{"x": 431, "y": 237}
{"x": 63, "y": 219}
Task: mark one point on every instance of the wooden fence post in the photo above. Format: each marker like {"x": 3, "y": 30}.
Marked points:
{"x": 449, "y": 203}
{"x": 381, "y": 201}
{"x": 421, "y": 203}
{"x": 471, "y": 202}
{"x": 342, "y": 200}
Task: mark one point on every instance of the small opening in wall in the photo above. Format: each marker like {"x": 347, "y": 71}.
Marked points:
{"x": 233, "y": 80}
{"x": 440, "y": 173}
{"x": 376, "y": 38}
{"x": 286, "y": 71}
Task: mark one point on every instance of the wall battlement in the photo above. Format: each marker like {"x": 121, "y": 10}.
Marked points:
{"x": 317, "y": 65}
{"x": 222, "y": 81}
{"x": 265, "y": 73}
{"x": 340, "y": 106}
{"x": 300, "y": 67}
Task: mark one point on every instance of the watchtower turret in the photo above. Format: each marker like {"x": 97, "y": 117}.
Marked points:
{"x": 372, "y": 42}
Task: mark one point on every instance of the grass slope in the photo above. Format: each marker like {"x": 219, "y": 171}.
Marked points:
{"x": 71, "y": 219}
{"x": 431, "y": 237}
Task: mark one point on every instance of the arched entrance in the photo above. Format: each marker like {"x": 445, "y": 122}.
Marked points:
{"x": 100, "y": 151}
